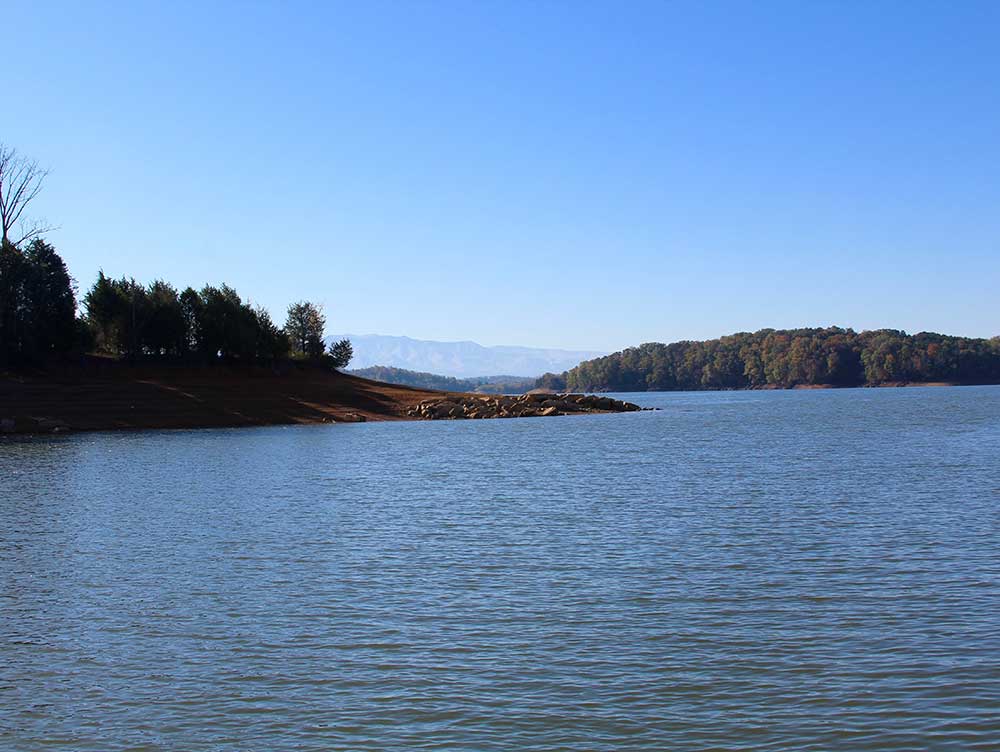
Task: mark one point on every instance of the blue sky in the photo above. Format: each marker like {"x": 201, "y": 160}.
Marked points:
{"x": 562, "y": 174}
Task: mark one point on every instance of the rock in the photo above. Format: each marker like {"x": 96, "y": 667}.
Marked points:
{"x": 443, "y": 409}
{"x": 474, "y": 407}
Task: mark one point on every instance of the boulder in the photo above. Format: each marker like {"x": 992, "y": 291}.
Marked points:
{"x": 443, "y": 409}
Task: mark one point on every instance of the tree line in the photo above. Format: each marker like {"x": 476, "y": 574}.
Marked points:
{"x": 786, "y": 358}
{"x": 39, "y": 320}
{"x": 484, "y": 384}
{"x": 132, "y": 320}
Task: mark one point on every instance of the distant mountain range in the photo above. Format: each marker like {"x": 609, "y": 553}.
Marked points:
{"x": 459, "y": 359}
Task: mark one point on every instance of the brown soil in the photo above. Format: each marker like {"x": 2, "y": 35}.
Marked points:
{"x": 106, "y": 395}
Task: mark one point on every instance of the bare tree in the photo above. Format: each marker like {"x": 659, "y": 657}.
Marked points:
{"x": 20, "y": 182}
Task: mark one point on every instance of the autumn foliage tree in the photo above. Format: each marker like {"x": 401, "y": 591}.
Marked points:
{"x": 793, "y": 357}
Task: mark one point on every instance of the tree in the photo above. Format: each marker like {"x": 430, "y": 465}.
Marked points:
{"x": 555, "y": 382}
{"x": 341, "y": 353}
{"x": 37, "y": 304}
{"x": 304, "y": 326}
{"x": 138, "y": 310}
{"x": 191, "y": 310}
{"x": 105, "y": 306}
{"x": 166, "y": 331}
{"x": 272, "y": 342}
{"x": 790, "y": 357}
{"x": 49, "y": 302}
{"x": 220, "y": 325}
{"x": 20, "y": 183}
{"x": 11, "y": 298}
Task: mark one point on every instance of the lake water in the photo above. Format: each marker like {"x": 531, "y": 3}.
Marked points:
{"x": 813, "y": 570}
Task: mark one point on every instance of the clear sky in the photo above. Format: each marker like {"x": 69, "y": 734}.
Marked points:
{"x": 562, "y": 174}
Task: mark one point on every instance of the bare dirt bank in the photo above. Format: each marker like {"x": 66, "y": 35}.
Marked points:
{"x": 99, "y": 395}
{"x": 107, "y": 396}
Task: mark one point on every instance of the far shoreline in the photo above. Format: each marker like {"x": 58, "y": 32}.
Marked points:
{"x": 798, "y": 387}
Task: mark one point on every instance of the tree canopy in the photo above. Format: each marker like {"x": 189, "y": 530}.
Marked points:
{"x": 124, "y": 317}
{"x": 134, "y": 320}
{"x": 485, "y": 384}
{"x": 37, "y": 304}
{"x": 341, "y": 353}
{"x": 792, "y": 357}
{"x": 304, "y": 326}
{"x": 128, "y": 319}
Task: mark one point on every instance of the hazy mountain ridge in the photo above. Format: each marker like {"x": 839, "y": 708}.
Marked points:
{"x": 459, "y": 359}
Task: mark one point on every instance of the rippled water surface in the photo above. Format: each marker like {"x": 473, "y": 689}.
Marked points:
{"x": 756, "y": 570}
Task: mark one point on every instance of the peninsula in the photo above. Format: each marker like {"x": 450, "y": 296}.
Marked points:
{"x": 100, "y": 394}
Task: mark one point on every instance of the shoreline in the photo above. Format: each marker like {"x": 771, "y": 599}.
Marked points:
{"x": 802, "y": 387}
{"x": 102, "y": 395}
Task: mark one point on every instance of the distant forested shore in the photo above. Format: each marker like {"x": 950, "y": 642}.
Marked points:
{"x": 484, "y": 384}
{"x": 788, "y": 358}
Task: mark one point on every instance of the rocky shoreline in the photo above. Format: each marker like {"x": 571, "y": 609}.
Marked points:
{"x": 472, "y": 407}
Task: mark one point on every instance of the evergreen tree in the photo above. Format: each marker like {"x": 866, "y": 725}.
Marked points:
{"x": 304, "y": 326}
{"x": 341, "y": 353}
